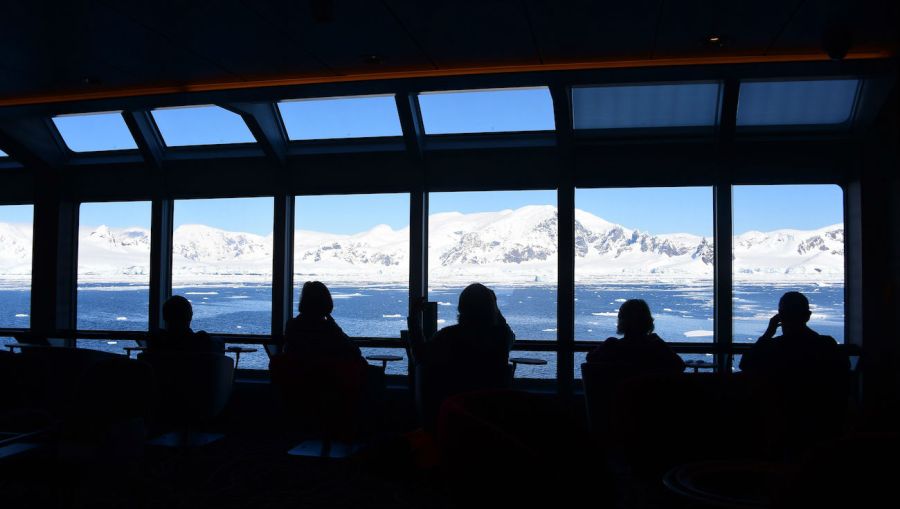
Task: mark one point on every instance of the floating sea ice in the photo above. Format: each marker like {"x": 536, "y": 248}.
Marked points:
{"x": 606, "y": 313}
{"x": 667, "y": 309}
{"x": 201, "y": 293}
{"x": 620, "y": 300}
{"x": 444, "y": 303}
{"x": 441, "y": 321}
{"x": 21, "y": 315}
{"x": 121, "y": 318}
{"x": 548, "y": 330}
{"x": 392, "y": 316}
{"x": 112, "y": 342}
{"x": 590, "y": 330}
{"x": 239, "y": 297}
{"x": 699, "y": 334}
{"x": 239, "y": 326}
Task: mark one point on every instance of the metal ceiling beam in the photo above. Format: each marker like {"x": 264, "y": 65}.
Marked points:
{"x": 145, "y": 135}
{"x": 266, "y": 125}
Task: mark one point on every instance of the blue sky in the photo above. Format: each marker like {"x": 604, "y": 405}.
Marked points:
{"x": 656, "y": 210}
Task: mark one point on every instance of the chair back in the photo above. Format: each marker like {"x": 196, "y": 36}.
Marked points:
{"x": 192, "y": 387}
{"x": 437, "y": 381}
{"x": 323, "y": 396}
{"x": 601, "y": 381}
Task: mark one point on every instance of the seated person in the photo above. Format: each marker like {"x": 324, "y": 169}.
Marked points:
{"x": 639, "y": 347}
{"x": 804, "y": 376}
{"x": 313, "y": 332}
{"x": 481, "y": 332}
{"x": 799, "y": 349}
{"x": 178, "y": 336}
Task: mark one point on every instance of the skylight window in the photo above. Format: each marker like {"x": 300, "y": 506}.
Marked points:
{"x": 340, "y": 117}
{"x": 808, "y": 102}
{"x": 487, "y": 111}
{"x": 95, "y": 132}
{"x": 645, "y": 106}
{"x": 201, "y": 125}
{"x": 3, "y": 154}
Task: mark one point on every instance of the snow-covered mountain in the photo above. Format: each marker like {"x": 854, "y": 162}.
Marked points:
{"x": 506, "y": 246}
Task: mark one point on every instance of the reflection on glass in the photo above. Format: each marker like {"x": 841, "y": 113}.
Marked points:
{"x": 357, "y": 245}
{"x": 506, "y": 240}
{"x": 804, "y": 102}
{"x": 788, "y": 238}
{"x": 116, "y": 346}
{"x": 653, "y": 244}
{"x": 222, "y": 263}
{"x": 113, "y": 266}
{"x": 16, "y": 227}
{"x": 645, "y": 106}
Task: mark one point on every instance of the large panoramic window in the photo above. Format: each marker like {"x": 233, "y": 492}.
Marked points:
{"x": 505, "y": 240}
{"x": 93, "y": 132}
{"x": 201, "y": 125}
{"x": 487, "y": 111}
{"x": 358, "y": 245}
{"x": 222, "y": 263}
{"x": 653, "y": 244}
{"x": 645, "y": 106}
{"x": 113, "y": 266}
{"x": 804, "y": 102}
{"x": 788, "y": 238}
{"x": 340, "y": 117}
{"x": 16, "y": 226}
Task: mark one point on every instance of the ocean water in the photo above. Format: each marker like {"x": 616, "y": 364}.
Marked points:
{"x": 683, "y": 313}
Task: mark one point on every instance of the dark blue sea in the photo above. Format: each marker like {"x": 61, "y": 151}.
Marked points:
{"x": 682, "y": 312}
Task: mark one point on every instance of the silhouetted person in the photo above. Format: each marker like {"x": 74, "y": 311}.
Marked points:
{"x": 640, "y": 348}
{"x": 178, "y": 335}
{"x": 481, "y": 332}
{"x": 806, "y": 373}
{"x": 313, "y": 332}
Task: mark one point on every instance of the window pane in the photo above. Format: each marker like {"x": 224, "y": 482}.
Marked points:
{"x": 672, "y": 105}
{"x": 107, "y": 345}
{"x": 3, "y": 154}
{"x": 16, "y": 225}
{"x": 505, "y": 240}
{"x": 94, "y": 132}
{"x": 340, "y": 117}
{"x": 201, "y": 125}
{"x": 114, "y": 266}
{"x": 796, "y": 102}
{"x": 487, "y": 111}
{"x": 358, "y": 245}
{"x": 222, "y": 263}
{"x": 653, "y": 244}
{"x": 788, "y": 238}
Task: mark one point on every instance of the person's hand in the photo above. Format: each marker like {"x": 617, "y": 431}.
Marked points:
{"x": 774, "y": 323}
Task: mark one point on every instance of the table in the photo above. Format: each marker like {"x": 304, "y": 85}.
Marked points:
{"x": 384, "y": 359}
{"x": 735, "y": 484}
{"x": 237, "y": 351}
{"x": 129, "y": 349}
{"x": 698, "y": 365}
{"x": 527, "y": 361}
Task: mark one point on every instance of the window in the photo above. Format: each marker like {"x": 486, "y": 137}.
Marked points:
{"x": 653, "y": 244}
{"x": 645, "y": 106}
{"x": 487, "y": 111}
{"x": 340, "y": 117}
{"x": 358, "y": 245}
{"x": 222, "y": 263}
{"x": 16, "y": 227}
{"x": 506, "y": 240}
{"x": 788, "y": 238}
{"x": 93, "y": 132}
{"x": 201, "y": 125}
{"x": 808, "y": 102}
{"x": 114, "y": 266}
{"x": 3, "y": 154}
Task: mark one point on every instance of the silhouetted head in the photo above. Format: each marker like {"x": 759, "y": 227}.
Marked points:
{"x": 793, "y": 309}
{"x": 315, "y": 300}
{"x": 178, "y": 313}
{"x": 477, "y": 306}
{"x": 635, "y": 318}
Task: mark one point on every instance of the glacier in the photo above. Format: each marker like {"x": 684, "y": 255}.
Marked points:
{"x": 509, "y": 247}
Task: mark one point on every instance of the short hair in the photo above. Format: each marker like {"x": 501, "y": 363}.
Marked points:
{"x": 177, "y": 309}
{"x": 315, "y": 300}
{"x": 477, "y": 305}
{"x": 793, "y": 305}
{"x": 634, "y": 317}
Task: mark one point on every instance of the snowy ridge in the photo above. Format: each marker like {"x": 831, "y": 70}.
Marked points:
{"x": 509, "y": 246}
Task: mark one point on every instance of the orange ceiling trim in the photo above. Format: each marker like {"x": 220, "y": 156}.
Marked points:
{"x": 278, "y": 81}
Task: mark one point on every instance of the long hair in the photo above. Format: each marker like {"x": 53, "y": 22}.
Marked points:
{"x": 477, "y": 306}
{"x": 315, "y": 300}
{"x": 635, "y": 318}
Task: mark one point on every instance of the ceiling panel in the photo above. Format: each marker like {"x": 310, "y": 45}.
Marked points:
{"x": 873, "y": 24}
{"x": 469, "y": 32}
{"x": 585, "y": 30}
{"x": 748, "y": 26}
{"x": 356, "y": 31}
